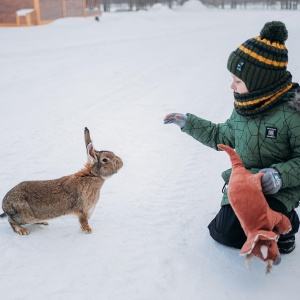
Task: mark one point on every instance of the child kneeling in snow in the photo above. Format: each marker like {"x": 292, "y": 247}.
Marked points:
{"x": 264, "y": 130}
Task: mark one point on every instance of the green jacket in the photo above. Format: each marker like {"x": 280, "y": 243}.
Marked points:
{"x": 270, "y": 140}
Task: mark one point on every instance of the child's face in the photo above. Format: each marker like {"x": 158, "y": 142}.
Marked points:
{"x": 238, "y": 85}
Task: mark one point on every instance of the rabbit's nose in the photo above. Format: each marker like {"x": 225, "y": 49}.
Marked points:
{"x": 120, "y": 162}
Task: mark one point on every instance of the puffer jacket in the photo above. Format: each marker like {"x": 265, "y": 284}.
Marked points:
{"x": 269, "y": 140}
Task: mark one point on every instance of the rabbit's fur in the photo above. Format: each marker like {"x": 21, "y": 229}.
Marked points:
{"x": 34, "y": 202}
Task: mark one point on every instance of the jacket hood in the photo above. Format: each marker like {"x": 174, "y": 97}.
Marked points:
{"x": 294, "y": 97}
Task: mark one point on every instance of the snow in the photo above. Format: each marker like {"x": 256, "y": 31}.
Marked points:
{"x": 119, "y": 77}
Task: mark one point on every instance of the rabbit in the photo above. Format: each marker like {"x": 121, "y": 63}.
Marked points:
{"x": 35, "y": 202}
{"x": 261, "y": 224}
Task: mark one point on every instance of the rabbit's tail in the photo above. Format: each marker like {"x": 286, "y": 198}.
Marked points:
{"x": 3, "y": 215}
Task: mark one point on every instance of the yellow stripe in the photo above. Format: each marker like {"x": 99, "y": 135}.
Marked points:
{"x": 263, "y": 59}
{"x": 264, "y": 98}
{"x": 275, "y": 45}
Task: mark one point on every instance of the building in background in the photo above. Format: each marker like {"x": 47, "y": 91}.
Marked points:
{"x": 37, "y": 12}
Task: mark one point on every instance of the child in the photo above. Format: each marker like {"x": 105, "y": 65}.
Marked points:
{"x": 264, "y": 129}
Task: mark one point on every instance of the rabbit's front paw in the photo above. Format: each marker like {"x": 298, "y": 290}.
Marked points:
{"x": 83, "y": 219}
{"x": 86, "y": 229}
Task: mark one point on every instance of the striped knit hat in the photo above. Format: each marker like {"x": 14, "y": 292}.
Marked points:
{"x": 261, "y": 63}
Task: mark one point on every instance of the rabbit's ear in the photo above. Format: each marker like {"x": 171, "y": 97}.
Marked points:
{"x": 91, "y": 153}
{"x": 87, "y": 137}
{"x": 89, "y": 146}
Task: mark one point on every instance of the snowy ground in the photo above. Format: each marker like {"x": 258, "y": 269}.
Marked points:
{"x": 119, "y": 77}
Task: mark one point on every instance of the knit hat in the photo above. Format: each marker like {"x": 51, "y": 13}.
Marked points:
{"x": 261, "y": 61}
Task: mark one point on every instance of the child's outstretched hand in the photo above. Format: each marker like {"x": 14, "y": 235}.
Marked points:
{"x": 178, "y": 119}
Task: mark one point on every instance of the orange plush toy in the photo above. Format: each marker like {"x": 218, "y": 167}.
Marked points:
{"x": 261, "y": 224}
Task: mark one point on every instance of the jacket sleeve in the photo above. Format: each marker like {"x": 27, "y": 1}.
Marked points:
{"x": 208, "y": 133}
{"x": 290, "y": 170}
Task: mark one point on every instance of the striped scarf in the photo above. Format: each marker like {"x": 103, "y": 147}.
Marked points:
{"x": 255, "y": 103}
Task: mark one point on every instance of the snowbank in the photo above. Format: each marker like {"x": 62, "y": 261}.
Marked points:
{"x": 193, "y": 6}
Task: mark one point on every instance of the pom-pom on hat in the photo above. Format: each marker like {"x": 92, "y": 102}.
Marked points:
{"x": 261, "y": 61}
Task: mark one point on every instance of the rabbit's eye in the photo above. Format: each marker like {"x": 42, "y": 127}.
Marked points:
{"x": 105, "y": 160}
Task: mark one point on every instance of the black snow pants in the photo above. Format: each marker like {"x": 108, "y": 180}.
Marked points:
{"x": 226, "y": 229}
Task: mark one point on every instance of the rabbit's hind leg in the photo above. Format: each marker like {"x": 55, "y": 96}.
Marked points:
{"x": 17, "y": 228}
{"x": 42, "y": 223}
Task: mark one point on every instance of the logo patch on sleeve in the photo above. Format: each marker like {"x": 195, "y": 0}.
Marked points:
{"x": 271, "y": 132}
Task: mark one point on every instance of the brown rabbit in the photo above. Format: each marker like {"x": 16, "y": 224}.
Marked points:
{"x": 34, "y": 202}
